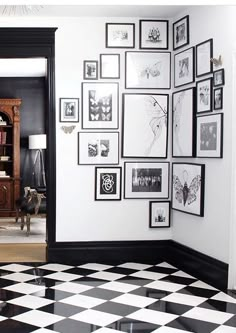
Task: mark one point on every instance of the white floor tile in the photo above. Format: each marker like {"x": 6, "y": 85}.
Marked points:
{"x": 163, "y": 285}
{"x": 225, "y": 329}
{"x": 83, "y": 301}
{"x": 43, "y": 330}
{"x": 2, "y": 318}
{"x": 55, "y": 267}
{"x": 95, "y": 266}
{"x": 201, "y": 284}
{"x": 119, "y": 286}
{"x": 29, "y": 301}
{"x": 25, "y": 288}
{"x": 106, "y": 276}
{"x": 151, "y": 316}
{"x": 20, "y": 277}
{"x": 72, "y": 287}
{"x": 165, "y": 329}
{"x": 15, "y": 267}
{"x": 183, "y": 274}
{"x": 96, "y": 317}
{"x": 38, "y": 318}
{"x": 61, "y": 276}
{"x": 184, "y": 299}
{"x": 166, "y": 265}
{"x": 134, "y": 300}
{"x": 148, "y": 275}
{"x": 212, "y": 316}
{"x": 134, "y": 265}
{"x": 106, "y": 330}
{"x": 224, "y": 297}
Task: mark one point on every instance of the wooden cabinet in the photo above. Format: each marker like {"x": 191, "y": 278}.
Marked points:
{"x": 9, "y": 155}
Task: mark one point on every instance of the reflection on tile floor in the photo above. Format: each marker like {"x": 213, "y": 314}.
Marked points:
{"x": 130, "y": 297}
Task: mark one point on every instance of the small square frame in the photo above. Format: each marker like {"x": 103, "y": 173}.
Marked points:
{"x": 108, "y": 183}
{"x": 184, "y": 65}
{"x": 153, "y": 34}
{"x": 219, "y": 77}
{"x": 218, "y": 98}
{"x": 90, "y": 69}
{"x": 109, "y": 66}
{"x": 204, "y": 54}
{"x": 120, "y": 35}
{"x": 159, "y": 214}
{"x": 69, "y": 110}
{"x": 181, "y": 33}
{"x": 204, "y": 95}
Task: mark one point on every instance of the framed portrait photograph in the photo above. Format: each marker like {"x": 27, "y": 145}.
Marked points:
{"x": 98, "y": 148}
{"x": 204, "y": 95}
{"x": 154, "y": 34}
{"x": 181, "y": 33}
{"x": 188, "y": 181}
{"x": 183, "y": 123}
{"x": 210, "y": 135}
{"x": 147, "y": 70}
{"x": 120, "y": 35}
{"x": 145, "y": 180}
{"x": 184, "y": 67}
{"x": 90, "y": 70}
{"x": 219, "y": 77}
{"x": 218, "y": 98}
{"x": 159, "y": 214}
{"x": 109, "y": 66}
{"x": 145, "y": 135}
{"x": 204, "y": 53}
{"x": 69, "y": 110}
{"x": 108, "y": 183}
{"x": 100, "y": 105}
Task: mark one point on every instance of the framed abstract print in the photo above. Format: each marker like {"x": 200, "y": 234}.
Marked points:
{"x": 184, "y": 67}
{"x": 204, "y": 54}
{"x": 181, "y": 33}
{"x": 154, "y": 34}
{"x": 159, "y": 214}
{"x": 108, "y": 183}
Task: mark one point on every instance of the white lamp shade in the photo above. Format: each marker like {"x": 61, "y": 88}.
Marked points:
{"x": 37, "y": 141}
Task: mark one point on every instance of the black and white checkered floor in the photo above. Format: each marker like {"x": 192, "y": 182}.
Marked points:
{"x": 130, "y": 297}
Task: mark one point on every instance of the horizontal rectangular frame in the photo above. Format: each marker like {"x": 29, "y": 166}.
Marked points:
{"x": 132, "y": 41}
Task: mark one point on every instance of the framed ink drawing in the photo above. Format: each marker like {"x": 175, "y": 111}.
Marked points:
{"x": 204, "y": 95}
{"x": 120, "y": 35}
{"x": 159, "y": 214}
{"x": 100, "y": 105}
{"x": 218, "y": 98}
{"x": 204, "y": 53}
{"x": 109, "y": 66}
{"x": 98, "y": 148}
{"x": 69, "y": 110}
{"x": 153, "y": 34}
{"x": 145, "y": 135}
{"x": 210, "y": 135}
{"x": 183, "y": 123}
{"x": 219, "y": 77}
{"x": 181, "y": 33}
{"x": 184, "y": 67}
{"x": 108, "y": 183}
{"x": 147, "y": 70}
{"x": 188, "y": 181}
{"x": 90, "y": 70}
{"x": 145, "y": 180}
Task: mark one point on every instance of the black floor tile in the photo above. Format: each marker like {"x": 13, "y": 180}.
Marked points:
{"x": 178, "y": 279}
{"x": 52, "y": 294}
{"x": 72, "y": 326}
{"x": 134, "y": 280}
{"x": 192, "y": 325}
{"x": 149, "y": 292}
{"x": 61, "y": 309}
{"x": 213, "y": 304}
{"x": 79, "y": 271}
{"x": 116, "y": 308}
{"x": 130, "y": 325}
{"x": 13, "y": 326}
{"x": 169, "y": 307}
{"x": 121, "y": 270}
{"x": 163, "y": 270}
{"x": 10, "y": 310}
{"x": 201, "y": 292}
{"x": 101, "y": 293}
{"x": 231, "y": 322}
{"x": 88, "y": 281}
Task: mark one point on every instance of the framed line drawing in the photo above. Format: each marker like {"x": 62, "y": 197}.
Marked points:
{"x": 218, "y": 98}
{"x": 181, "y": 33}
{"x": 120, "y": 35}
{"x": 154, "y": 34}
{"x": 219, "y": 77}
{"x": 90, "y": 70}
{"x": 183, "y": 123}
{"x": 188, "y": 181}
{"x": 204, "y": 95}
{"x": 69, "y": 110}
{"x": 159, "y": 214}
{"x": 210, "y": 135}
{"x": 145, "y": 136}
{"x": 147, "y": 70}
{"x": 109, "y": 66}
{"x": 204, "y": 53}
{"x": 146, "y": 180}
{"x": 108, "y": 183}
{"x": 184, "y": 67}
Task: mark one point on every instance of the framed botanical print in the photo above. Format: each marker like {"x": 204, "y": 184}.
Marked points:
{"x": 184, "y": 67}
{"x": 120, "y": 35}
{"x": 181, "y": 33}
{"x": 69, "y": 110}
{"x": 219, "y": 77}
{"x": 218, "y": 98}
{"x": 108, "y": 183}
{"x": 204, "y": 53}
{"x": 90, "y": 70}
{"x": 109, "y": 66}
{"x": 153, "y": 34}
{"x": 204, "y": 95}
{"x": 159, "y": 214}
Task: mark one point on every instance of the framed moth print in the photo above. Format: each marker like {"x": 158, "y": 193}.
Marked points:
{"x": 146, "y": 180}
{"x": 159, "y": 214}
{"x": 184, "y": 67}
{"x": 100, "y": 105}
{"x": 219, "y": 77}
{"x": 181, "y": 33}
{"x": 204, "y": 53}
{"x": 204, "y": 95}
{"x": 90, "y": 70}
{"x": 98, "y": 148}
{"x": 218, "y": 98}
{"x": 109, "y": 66}
{"x": 188, "y": 181}
{"x": 147, "y": 70}
{"x": 108, "y": 183}
{"x": 183, "y": 123}
{"x": 153, "y": 34}
{"x": 120, "y": 35}
{"x": 210, "y": 135}
{"x": 69, "y": 109}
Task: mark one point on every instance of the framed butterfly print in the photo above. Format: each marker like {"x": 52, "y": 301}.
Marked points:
{"x": 100, "y": 105}
{"x": 69, "y": 110}
{"x": 145, "y": 135}
{"x": 188, "y": 183}
{"x": 184, "y": 67}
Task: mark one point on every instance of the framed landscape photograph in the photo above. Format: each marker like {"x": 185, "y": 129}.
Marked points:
{"x": 218, "y": 98}
{"x": 154, "y": 34}
{"x": 204, "y": 53}
{"x": 204, "y": 95}
{"x": 100, "y": 105}
{"x": 98, "y": 148}
{"x": 120, "y": 35}
{"x": 109, "y": 66}
{"x": 188, "y": 181}
{"x": 219, "y": 77}
{"x": 69, "y": 110}
{"x": 183, "y": 123}
{"x": 108, "y": 183}
{"x": 90, "y": 70}
{"x": 181, "y": 33}
{"x": 147, "y": 70}
{"x": 146, "y": 180}
{"x": 210, "y": 135}
{"x": 159, "y": 214}
{"x": 184, "y": 67}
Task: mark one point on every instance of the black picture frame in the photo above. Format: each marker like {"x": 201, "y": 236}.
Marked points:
{"x": 120, "y": 35}
{"x": 108, "y": 182}
{"x": 159, "y": 214}
{"x": 69, "y": 110}
{"x": 218, "y": 98}
{"x": 109, "y": 66}
{"x": 219, "y": 77}
{"x": 204, "y": 95}
{"x": 90, "y": 69}
{"x": 154, "y": 34}
{"x": 181, "y": 33}
{"x": 184, "y": 67}
{"x": 204, "y": 54}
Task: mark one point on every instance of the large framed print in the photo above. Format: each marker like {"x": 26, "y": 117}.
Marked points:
{"x": 210, "y": 135}
{"x": 153, "y": 34}
{"x": 145, "y": 135}
{"x": 183, "y": 123}
{"x": 204, "y": 54}
{"x": 69, "y": 110}
{"x": 147, "y": 70}
{"x": 98, "y": 148}
{"x": 120, "y": 35}
{"x": 146, "y": 180}
{"x": 108, "y": 183}
{"x": 181, "y": 33}
{"x": 159, "y": 214}
{"x": 109, "y": 66}
{"x": 184, "y": 67}
{"x": 100, "y": 105}
{"x": 204, "y": 95}
{"x": 188, "y": 182}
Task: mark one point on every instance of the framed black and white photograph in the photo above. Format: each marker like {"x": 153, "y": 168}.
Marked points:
{"x": 210, "y": 135}
{"x": 108, "y": 183}
{"x": 219, "y": 77}
{"x": 120, "y": 35}
{"x": 145, "y": 135}
{"x": 159, "y": 214}
{"x": 154, "y": 34}
{"x": 69, "y": 110}
{"x": 146, "y": 180}
{"x": 204, "y": 53}
{"x": 188, "y": 181}
{"x": 90, "y": 70}
{"x": 183, "y": 123}
{"x": 100, "y": 105}
{"x": 184, "y": 67}
{"x": 218, "y": 98}
{"x": 147, "y": 70}
{"x": 181, "y": 33}
{"x": 98, "y": 148}
{"x": 204, "y": 95}
{"x": 109, "y": 66}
